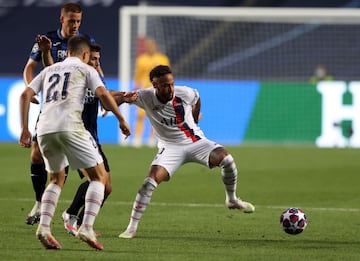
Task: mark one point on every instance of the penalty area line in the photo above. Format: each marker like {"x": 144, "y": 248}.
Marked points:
{"x": 196, "y": 205}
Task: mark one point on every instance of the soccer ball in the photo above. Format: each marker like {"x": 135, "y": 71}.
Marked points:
{"x": 293, "y": 221}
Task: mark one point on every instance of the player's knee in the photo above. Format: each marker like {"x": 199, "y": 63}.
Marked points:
{"x": 227, "y": 162}
{"x": 36, "y": 156}
{"x": 158, "y": 174}
{"x": 148, "y": 186}
{"x": 108, "y": 190}
{"x": 58, "y": 178}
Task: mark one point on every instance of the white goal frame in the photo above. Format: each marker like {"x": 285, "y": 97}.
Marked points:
{"x": 292, "y": 15}
{"x": 273, "y": 15}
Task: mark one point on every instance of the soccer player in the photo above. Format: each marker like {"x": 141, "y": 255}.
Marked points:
{"x": 320, "y": 74}
{"x": 72, "y": 217}
{"x": 62, "y": 137}
{"x": 174, "y": 113}
{"x": 143, "y": 65}
{"x": 48, "y": 49}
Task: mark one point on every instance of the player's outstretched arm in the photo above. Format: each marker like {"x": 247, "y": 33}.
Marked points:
{"x": 121, "y": 97}
{"x": 109, "y": 104}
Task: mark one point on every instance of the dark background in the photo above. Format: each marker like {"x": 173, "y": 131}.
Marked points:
{"x": 21, "y": 20}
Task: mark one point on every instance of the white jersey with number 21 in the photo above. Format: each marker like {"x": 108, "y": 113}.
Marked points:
{"x": 63, "y": 87}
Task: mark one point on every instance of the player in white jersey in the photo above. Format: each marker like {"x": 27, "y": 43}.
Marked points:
{"x": 63, "y": 138}
{"x": 174, "y": 113}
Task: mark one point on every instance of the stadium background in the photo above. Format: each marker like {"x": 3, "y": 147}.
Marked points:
{"x": 259, "y": 118}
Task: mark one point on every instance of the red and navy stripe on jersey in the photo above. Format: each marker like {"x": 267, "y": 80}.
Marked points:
{"x": 180, "y": 120}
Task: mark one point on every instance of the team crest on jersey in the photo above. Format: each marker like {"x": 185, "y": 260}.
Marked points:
{"x": 89, "y": 97}
{"x": 61, "y": 55}
{"x": 35, "y": 48}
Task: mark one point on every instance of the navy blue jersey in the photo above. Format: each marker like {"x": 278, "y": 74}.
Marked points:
{"x": 90, "y": 112}
{"x": 58, "y": 48}
{"x": 58, "y": 53}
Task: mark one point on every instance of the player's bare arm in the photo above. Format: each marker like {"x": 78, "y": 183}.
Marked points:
{"x": 25, "y": 135}
{"x": 110, "y": 104}
{"x": 28, "y": 75}
{"x": 121, "y": 97}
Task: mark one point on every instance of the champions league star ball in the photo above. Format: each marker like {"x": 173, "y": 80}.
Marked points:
{"x": 293, "y": 221}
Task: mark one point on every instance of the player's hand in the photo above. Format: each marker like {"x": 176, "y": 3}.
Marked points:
{"x": 125, "y": 129}
{"x": 130, "y": 97}
{"x": 25, "y": 139}
{"x": 43, "y": 42}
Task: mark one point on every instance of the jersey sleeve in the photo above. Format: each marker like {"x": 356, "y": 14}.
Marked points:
{"x": 94, "y": 80}
{"x": 35, "y": 53}
{"x": 37, "y": 83}
{"x": 191, "y": 95}
{"x": 195, "y": 97}
{"x": 141, "y": 98}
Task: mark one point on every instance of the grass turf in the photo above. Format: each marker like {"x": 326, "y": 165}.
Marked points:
{"x": 187, "y": 218}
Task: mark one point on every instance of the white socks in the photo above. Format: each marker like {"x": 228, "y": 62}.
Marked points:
{"x": 93, "y": 200}
{"x": 229, "y": 176}
{"x": 142, "y": 199}
{"x": 48, "y": 204}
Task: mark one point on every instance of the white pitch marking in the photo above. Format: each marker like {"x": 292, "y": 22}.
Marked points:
{"x": 197, "y": 205}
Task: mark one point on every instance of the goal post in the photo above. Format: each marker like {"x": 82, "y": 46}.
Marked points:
{"x": 130, "y": 14}
{"x": 266, "y": 55}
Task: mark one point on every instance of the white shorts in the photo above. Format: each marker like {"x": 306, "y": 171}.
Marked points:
{"x": 61, "y": 148}
{"x": 172, "y": 156}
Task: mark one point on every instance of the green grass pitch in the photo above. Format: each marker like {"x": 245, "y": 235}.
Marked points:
{"x": 187, "y": 218}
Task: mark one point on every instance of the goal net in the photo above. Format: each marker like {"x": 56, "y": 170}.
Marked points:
{"x": 252, "y": 66}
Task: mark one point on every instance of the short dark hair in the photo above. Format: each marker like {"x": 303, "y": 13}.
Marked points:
{"x": 159, "y": 71}
{"x": 71, "y": 7}
{"x": 77, "y": 44}
{"x": 95, "y": 47}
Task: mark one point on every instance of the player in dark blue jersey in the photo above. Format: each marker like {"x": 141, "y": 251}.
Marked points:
{"x": 72, "y": 217}
{"x": 48, "y": 49}
{"x": 51, "y": 47}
